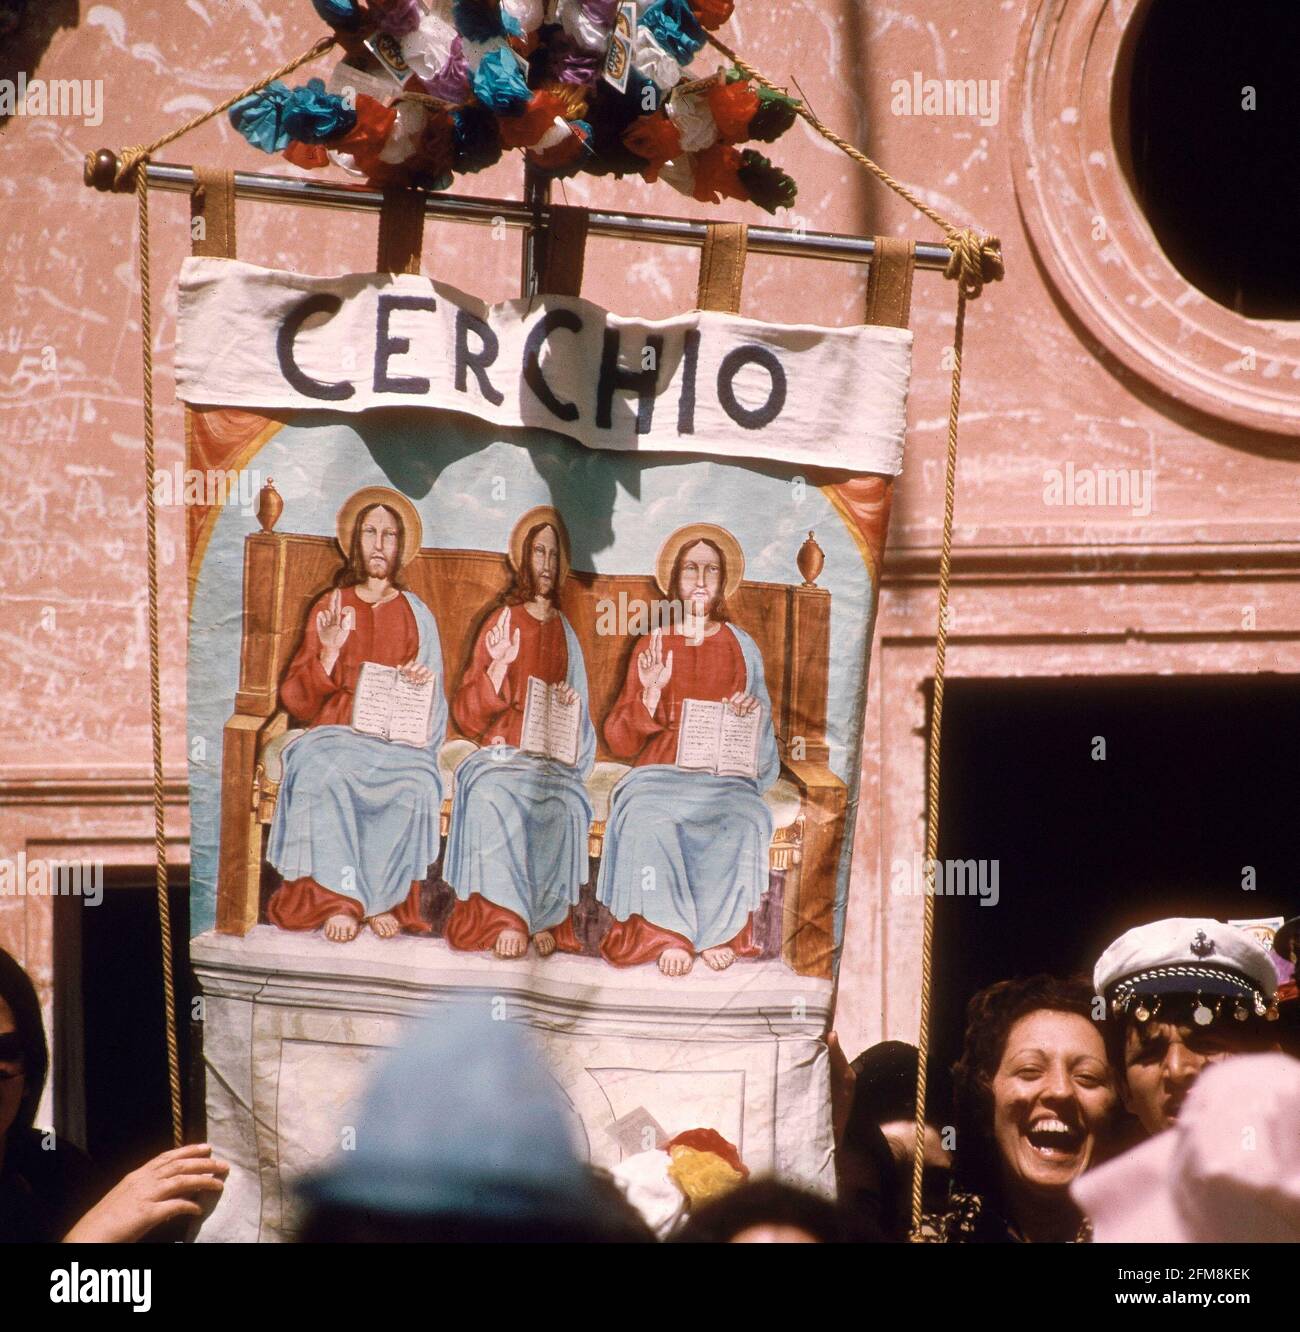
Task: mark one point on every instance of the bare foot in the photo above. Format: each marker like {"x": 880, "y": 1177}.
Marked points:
{"x": 385, "y": 925}
{"x": 675, "y": 961}
{"x": 544, "y": 941}
{"x": 719, "y": 958}
{"x": 341, "y": 928}
{"x": 511, "y": 943}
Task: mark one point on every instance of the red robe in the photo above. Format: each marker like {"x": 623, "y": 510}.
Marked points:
{"x": 488, "y": 717}
{"x": 710, "y": 670}
{"x": 386, "y": 634}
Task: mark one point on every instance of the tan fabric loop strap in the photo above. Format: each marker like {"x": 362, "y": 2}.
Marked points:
{"x": 401, "y": 231}
{"x": 889, "y": 283}
{"x": 212, "y": 213}
{"x": 564, "y": 250}
{"x": 722, "y": 267}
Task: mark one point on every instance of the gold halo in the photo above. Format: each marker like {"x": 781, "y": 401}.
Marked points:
{"x": 543, "y": 513}
{"x": 412, "y": 527}
{"x": 688, "y": 536}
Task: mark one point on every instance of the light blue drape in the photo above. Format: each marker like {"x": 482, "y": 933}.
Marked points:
{"x": 359, "y": 814}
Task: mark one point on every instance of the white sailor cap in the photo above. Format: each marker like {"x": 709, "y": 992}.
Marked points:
{"x": 1188, "y": 956}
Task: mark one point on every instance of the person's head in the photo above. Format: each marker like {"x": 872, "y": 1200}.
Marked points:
{"x": 699, "y": 579}
{"x": 1035, "y": 1095}
{"x": 767, "y": 1211}
{"x": 24, "y": 1055}
{"x": 875, "y": 1154}
{"x": 1182, "y": 994}
{"x": 378, "y": 537}
{"x": 541, "y": 567}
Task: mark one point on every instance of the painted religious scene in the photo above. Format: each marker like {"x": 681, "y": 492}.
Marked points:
{"x": 486, "y": 712}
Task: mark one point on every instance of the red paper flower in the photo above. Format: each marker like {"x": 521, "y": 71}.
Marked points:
{"x": 365, "y": 140}
{"x": 539, "y": 115}
{"x": 564, "y": 152}
{"x": 712, "y": 13}
{"x": 734, "y": 106}
{"x": 309, "y": 156}
{"x": 656, "y": 139}
{"x": 717, "y": 173}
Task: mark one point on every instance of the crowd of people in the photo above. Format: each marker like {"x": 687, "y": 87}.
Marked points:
{"x": 1156, "y": 1101}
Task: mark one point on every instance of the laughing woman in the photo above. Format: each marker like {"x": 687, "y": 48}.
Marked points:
{"x": 1035, "y": 1108}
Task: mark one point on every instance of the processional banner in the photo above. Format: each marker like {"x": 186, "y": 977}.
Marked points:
{"x": 527, "y": 664}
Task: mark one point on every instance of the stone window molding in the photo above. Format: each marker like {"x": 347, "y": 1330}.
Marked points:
{"x": 1070, "y": 93}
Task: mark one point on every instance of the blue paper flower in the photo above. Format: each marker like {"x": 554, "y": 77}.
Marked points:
{"x": 259, "y": 117}
{"x": 500, "y": 85}
{"x": 676, "y": 27}
{"x": 475, "y": 138}
{"x": 313, "y": 115}
{"x": 344, "y": 14}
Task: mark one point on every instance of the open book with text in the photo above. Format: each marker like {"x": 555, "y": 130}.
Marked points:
{"x": 389, "y": 706}
{"x": 714, "y": 738}
{"x": 550, "y": 725}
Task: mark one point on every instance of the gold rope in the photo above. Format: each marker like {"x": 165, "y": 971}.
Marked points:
{"x": 975, "y": 260}
{"x": 131, "y": 173}
{"x": 155, "y": 688}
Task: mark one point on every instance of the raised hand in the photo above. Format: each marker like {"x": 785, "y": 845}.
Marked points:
{"x": 333, "y": 625}
{"x": 502, "y": 648}
{"x": 166, "y": 1187}
{"x": 654, "y": 670}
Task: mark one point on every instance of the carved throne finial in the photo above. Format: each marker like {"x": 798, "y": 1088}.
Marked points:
{"x": 270, "y": 505}
{"x": 811, "y": 561}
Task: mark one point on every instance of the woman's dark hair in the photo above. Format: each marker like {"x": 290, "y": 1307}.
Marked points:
{"x": 720, "y": 611}
{"x": 17, "y": 990}
{"x": 768, "y": 1202}
{"x": 990, "y": 1015}
{"x": 353, "y": 571}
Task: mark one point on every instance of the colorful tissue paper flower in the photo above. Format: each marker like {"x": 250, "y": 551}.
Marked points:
{"x": 429, "y": 46}
{"x": 436, "y": 152}
{"x": 650, "y": 60}
{"x": 478, "y": 21}
{"x": 712, "y": 14}
{"x": 344, "y": 14}
{"x": 398, "y": 17}
{"x": 734, "y": 106}
{"x": 525, "y": 130}
{"x": 564, "y": 158}
{"x": 676, "y": 29}
{"x": 767, "y": 186}
{"x": 409, "y": 122}
{"x": 500, "y": 85}
{"x": 312, "y": 115}
{"x": 451, "y": 83}
{"x": 693, "y": 117}
{"x": 529, "y": 14}
{"x": 259, "y": 117}
{"x": 476, "y": 139}
{"x": 366, "y": 140}
{"x": 776, "y": 113}
{"x": 588, "y": 22}
{"x": 717, "y": 172}
{"x": 309, "y": 156}
{"x": 570, "y": 63}
{"x": 656, "y": 139}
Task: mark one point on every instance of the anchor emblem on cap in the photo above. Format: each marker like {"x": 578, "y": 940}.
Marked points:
{"x": 1201, "y": 945}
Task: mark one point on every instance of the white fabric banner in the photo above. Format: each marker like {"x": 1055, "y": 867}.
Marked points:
{"x": 703, "y": 382}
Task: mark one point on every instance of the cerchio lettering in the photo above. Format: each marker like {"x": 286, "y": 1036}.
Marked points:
{"x": 625, "y": 384}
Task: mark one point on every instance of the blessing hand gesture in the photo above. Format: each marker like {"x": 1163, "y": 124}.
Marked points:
{"x": 333, "y": 625}
{"x": 654, "y": 670}
{"x": 502, "y": 648}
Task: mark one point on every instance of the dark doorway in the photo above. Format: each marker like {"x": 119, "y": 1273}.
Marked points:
{"x": 1213, "y": 103}
{"x": 112, "y": 1091}
{"x": 1199, "y": 781}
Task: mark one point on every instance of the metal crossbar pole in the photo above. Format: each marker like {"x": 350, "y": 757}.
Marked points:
{"x": 793, "y": 243}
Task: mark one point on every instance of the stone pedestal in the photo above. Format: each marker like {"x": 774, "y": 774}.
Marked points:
{"x": 293, "y": 1025}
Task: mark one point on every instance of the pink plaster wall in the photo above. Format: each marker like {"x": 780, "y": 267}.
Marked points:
{"x": 74, "y": 742}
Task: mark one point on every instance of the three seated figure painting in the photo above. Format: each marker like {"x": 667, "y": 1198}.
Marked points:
{"x": 483, "y": 712}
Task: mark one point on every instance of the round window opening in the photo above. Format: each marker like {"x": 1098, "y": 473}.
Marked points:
{"x": 1214, "y": 146}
